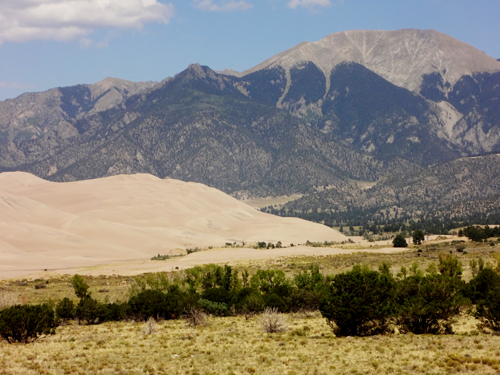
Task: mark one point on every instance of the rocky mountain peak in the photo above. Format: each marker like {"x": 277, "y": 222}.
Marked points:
{"x": 402, "y": 57}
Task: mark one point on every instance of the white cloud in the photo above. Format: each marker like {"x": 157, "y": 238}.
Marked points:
{"x": 222, "y": 6}
{"x": 64, "y": 20}
{"x": 308, "y": 3}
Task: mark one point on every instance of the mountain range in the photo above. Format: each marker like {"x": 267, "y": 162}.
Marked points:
{"x": 356, "y": 105}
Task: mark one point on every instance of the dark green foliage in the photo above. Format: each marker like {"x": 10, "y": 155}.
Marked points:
{"x": 214, "y": 308}
{"x": 248, "y": 300}
{"x": 310, "y": 288}
{"x": 480, "y": 286}
{"x": 149, "y": 303}
{"x": 209, "y": 276}
{"x": 359, "y": 303}
{"x": 275, "y": 301}
{"x": 271, "y": 281}
{"x": 26, "y": 323}
{"x": 479, "y": 234}
{"x": 399, "y": 241}
{"x": 80, "y": 286}
{"x": 159, "y": 305}
{"x": 65, "y": 309}
{"x": 217, "y": 295}
{"x": 418, "y": 237}
{"x": 113, "y": 312}
{"x": 488, "y": 310}
{"x": 428, "y": 304}
{"x": 89, "y": 311}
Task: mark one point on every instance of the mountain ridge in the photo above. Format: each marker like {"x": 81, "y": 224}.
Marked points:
{"x": 351, "y": 46}
{"x": 279, "y": 130}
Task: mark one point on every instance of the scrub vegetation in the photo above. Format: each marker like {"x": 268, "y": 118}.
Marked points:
{"x": 363, "y": 313}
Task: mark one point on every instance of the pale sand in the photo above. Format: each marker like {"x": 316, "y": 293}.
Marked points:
{"x": 231, "y": 256}
{"x": 66, "y": 226}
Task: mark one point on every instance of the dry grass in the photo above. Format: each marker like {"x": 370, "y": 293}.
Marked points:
{"x": 8, "y": 298}
{"x": 104, "y": 288}
{"x": 150, "y": 327}
{"x": 334, "y": 264}
{"x": 271, "y": 321}
{"x": 234, "y": 345}
{"x": 196, "y": 317}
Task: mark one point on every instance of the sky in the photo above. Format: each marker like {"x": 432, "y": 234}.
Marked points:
{"x": 55, "y": 43}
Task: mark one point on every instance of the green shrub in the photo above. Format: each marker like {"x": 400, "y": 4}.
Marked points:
{"x": 418, "y": 237}
{"x": 113, "y": 312}
{"x": 275, "y": 301}
{"x": 449, "y": 265}
{"x": 149, "y": 303}
{"x": 214, "y": 308}
{"x": 359, "y": 303}
{"x": 65, "y": 309}
{"x": 80, "y": 287}
{"x": 249, "y": 300}
{"x": 483, "y": 282}
{"x": 488, "y": 310}
{"x": 27, "y": 323}
{"x": 399, "y": 241}
{"x": 89, "y": 311}
{"x": 428, "y": 304}
{"x": 217, "y": 295}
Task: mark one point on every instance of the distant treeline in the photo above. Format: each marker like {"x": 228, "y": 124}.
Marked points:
{"x": 429, "y": 223}
{"x": 358, "y": 302}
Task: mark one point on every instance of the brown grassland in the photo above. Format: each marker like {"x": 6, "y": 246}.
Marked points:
{"x": 235, "y": 345}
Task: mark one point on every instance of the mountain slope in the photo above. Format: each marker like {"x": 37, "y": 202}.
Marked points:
{"x": 199, "y": 127}
{"x": 438, "y": 67}
{"x": 456, "y": 190}
{"x": 402, "y": 57}
{"x": 35, "y": 115}
{"x": 357, "y": 105}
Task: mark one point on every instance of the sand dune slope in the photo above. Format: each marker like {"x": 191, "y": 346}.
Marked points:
{"x": 47, "y": 225}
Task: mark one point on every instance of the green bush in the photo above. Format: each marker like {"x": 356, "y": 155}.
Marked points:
{"x": 149, "y": 303}
{"x": 488, "y": 310}
{"x": 418, "y": 237}
{"x": 214, "y": 308}
{"x": 80, "y": 287}
{"x": 27, "y": 323}
{"x": 479, "y": 287}
{"x": 89, "y": 311}
{"x": 65, "y": 309}
{"x": 276, "y": 302}
{"x": 449, "y": 265}
{"x": 428, "y": 304}
{"x": 113, "y": 312}
{"x": 249, "y": 300}
{"x": 359, "y": 303}
{"x": 399, "y": 241}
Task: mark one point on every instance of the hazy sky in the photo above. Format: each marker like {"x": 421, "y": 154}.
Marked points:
{"x": 50, "y": 43}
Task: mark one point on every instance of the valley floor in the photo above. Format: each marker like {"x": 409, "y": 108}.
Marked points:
{"x": 234, "y": 345}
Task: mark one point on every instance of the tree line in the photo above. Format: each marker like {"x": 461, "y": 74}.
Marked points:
{"x": 355, "y": 303}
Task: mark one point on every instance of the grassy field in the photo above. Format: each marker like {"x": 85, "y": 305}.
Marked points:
{"x": 234, "y": 345}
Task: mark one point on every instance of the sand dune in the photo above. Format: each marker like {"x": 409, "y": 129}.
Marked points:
{"x": 47, "y": 225}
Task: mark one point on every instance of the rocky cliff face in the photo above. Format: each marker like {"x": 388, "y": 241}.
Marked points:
{"x": 459, "y": 81}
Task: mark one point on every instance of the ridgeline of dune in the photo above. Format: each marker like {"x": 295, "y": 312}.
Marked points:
{"x": 48, "y": 225}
